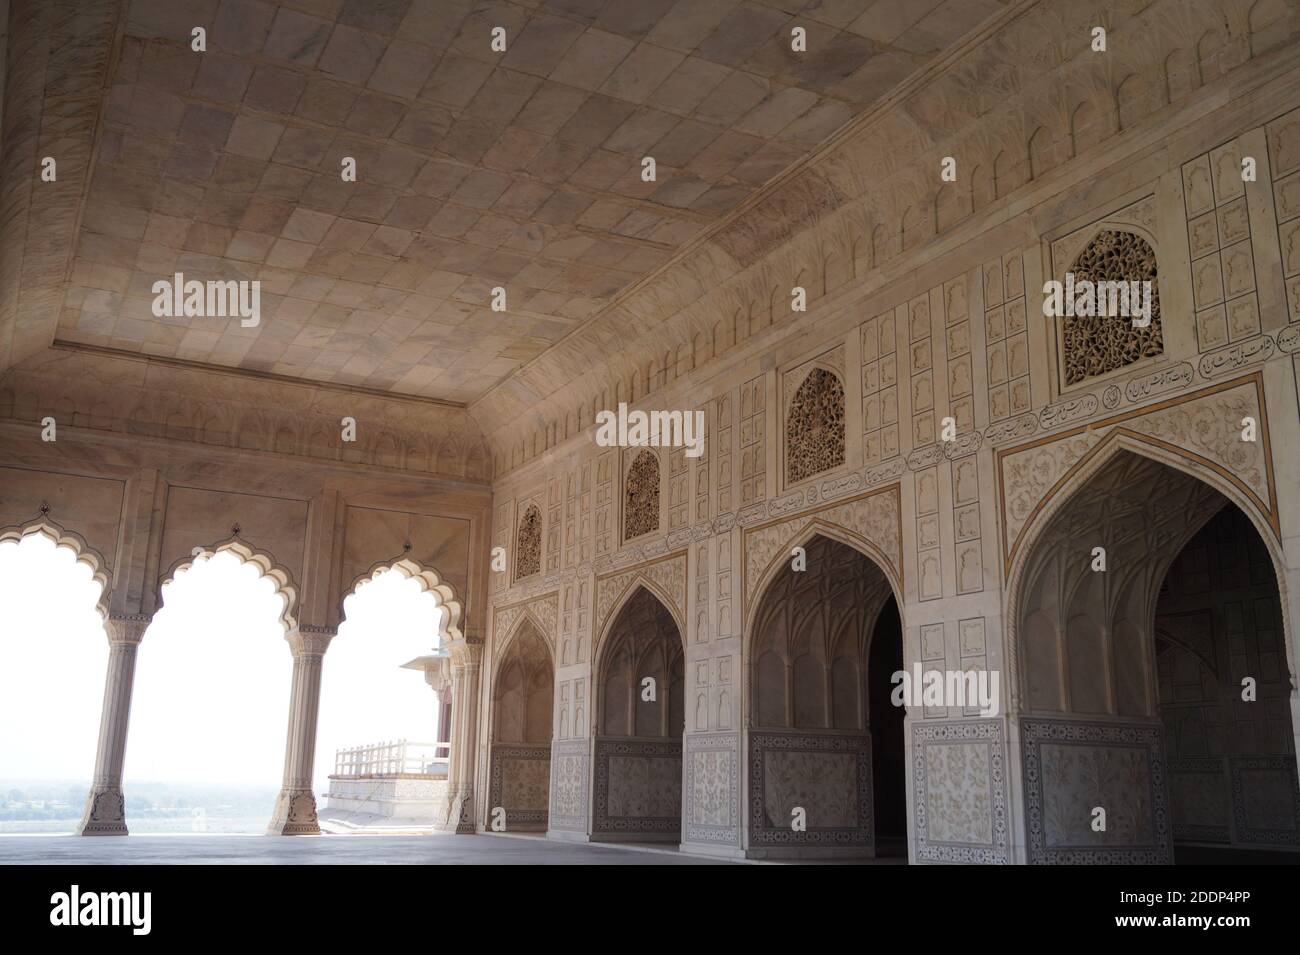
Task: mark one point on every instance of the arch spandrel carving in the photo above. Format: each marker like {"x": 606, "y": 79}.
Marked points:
{"x": 871, "y": 523}
{"x": 665, "y": 578}
{"x": 542, "y": 612}
{"x": 1202, "y": 429}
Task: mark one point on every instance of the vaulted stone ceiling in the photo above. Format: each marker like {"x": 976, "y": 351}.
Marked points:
{"x": 475, "y": 168}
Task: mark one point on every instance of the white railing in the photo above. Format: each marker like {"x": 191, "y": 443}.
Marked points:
{"x": 393, "y": 757}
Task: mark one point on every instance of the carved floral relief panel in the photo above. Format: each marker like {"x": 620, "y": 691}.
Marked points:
{"x": 641, "y": 495}
{"x": 528, "y": 542}
{"x": 814, "y": 426}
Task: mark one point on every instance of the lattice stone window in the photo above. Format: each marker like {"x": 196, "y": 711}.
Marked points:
{"x": 1095, "y": 345}
{"x": 814, "y": 426}
{"x": 529, "y": 543}
{"x": 641, "y": 496}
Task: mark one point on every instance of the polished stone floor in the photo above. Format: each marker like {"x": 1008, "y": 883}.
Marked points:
{"x": 326, "y": 850}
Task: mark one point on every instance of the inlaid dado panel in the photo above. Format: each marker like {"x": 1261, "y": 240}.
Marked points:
{"x": 960, "y": 799}
{"x": 712, "y": 786}
{"x": 570, "y": 785}
{"x": 518, "y": 782}
{"x": 1071, "y": 770}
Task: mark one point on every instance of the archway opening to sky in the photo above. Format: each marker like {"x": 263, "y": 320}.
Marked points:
{"x": 369, "y": 696}
{"x": 209, "y": 715}
{"x": 53, "y": 655}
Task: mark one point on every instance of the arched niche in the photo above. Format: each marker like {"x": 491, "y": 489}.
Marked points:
{"x": 522, "y": 695}
{"x": 1083, "y": 593}
{"x": 640, "y": 721}
{"x": 823, "y": 643}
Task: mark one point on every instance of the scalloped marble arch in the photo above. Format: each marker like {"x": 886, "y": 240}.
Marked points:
{"x": 81, "y": 550}
{"x": 800, "y": 538}
{"x": 1118, "y": 442}
{"x": 430, "y": 582}
{"x": 616, "y": 608}
{"x": 285, "y": 588}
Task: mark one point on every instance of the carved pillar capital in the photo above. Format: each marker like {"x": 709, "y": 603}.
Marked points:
{"x": 465, "y": 652}
{"x": 310, "y": 641}
{"x": 127, "y": 628}
{"x": 437, "y": 673}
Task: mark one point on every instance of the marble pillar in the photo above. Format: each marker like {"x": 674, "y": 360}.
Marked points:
{"x": 295, "y": 807}
{"x": 466, "y": 660}
{"x": 105, "y": 813}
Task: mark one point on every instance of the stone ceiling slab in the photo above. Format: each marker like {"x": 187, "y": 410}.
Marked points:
{"x": 475, "y": 167}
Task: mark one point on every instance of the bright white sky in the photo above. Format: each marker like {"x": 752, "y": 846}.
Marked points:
{"x": 212, "y": 678}
{"x": 53, "y": 652}
{"x": 213, "y": 674}
{"x": 366, "y": 695}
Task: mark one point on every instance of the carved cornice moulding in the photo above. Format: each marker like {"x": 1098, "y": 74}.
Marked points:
{"x": 108, "y": 393}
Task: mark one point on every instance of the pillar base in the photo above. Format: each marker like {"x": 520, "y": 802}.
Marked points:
{"x": 105, "y": 813}
{"x": 295, "y": 814}
{"x": 459, "y": 817}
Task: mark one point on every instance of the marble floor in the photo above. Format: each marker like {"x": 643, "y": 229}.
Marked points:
{"x": 480, "y": 849}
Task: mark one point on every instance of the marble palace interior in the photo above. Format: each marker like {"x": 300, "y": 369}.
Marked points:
{"x": 351, "y": 287}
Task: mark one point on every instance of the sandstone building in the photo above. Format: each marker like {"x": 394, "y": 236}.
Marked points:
{"x": 943, "y": 457}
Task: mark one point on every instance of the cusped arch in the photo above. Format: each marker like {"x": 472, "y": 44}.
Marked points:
{"x": 430, "y": 581}
{"x": 267, "y": 565}
{"x": 81, "y": 550}
{"x": 1118, "y": 442}
{"x": 801, "y": 538}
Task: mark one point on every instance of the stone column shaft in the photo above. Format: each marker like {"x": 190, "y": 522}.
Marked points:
{"x": 466, "y": 658}
{"x": 295, "y": 807}
{"x": 105, "y": 812}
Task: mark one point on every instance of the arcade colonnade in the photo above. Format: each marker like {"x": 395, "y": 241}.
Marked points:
{"x": 454, "y": 676}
